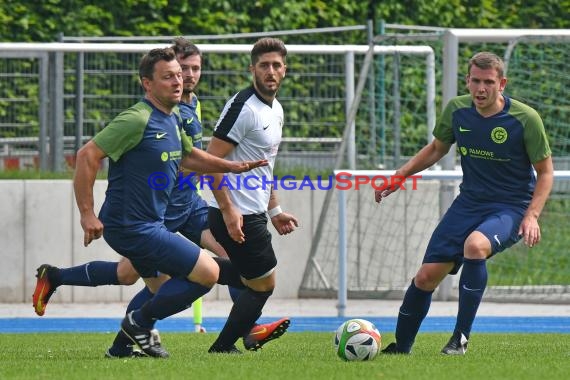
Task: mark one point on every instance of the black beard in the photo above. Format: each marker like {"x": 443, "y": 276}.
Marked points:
{"x": 264, "y": 90}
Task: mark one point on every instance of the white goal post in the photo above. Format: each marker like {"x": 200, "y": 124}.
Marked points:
{"x": 366, "y": 179}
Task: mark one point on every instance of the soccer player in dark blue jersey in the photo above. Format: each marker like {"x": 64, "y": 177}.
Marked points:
{"x": 500, "y": 141}
{"x": 187, "y": 211}
{"x": 146, "y": 146}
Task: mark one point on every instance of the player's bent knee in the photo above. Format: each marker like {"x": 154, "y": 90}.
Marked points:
{"x": 206, "y": 271}
{"x": 477, "y": 246}
{"x": 425, "y": 283}
{"x": 431, "y": 274}
{"x": 128, "y": 279}
{"x": 126, "y": 273}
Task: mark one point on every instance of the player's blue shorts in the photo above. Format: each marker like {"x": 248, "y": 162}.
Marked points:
{"x": 151, "y": 248}
{"x": 499, "y": 222}
{"x": 189, "y": 219}
{"x": 255, "y": 257}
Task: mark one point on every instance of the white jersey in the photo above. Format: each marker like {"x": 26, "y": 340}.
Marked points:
{"x": 254, "y": 127}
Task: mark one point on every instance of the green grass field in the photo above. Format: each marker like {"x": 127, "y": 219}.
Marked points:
{"x": 295, "y": 356}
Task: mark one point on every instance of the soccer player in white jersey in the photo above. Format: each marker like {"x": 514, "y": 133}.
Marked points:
{"x": 250, "y": 126}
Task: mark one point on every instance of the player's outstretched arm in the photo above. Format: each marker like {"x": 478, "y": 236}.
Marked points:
{"x": 205, "y": 162}
{"x": 425, "y": 158}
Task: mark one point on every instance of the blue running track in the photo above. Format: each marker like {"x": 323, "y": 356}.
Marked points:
{"x": 214, "y": 324}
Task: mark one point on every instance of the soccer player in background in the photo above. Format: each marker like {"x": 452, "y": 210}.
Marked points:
{"x": 250, "y": 127}
{"x": 141, "y": 142}
{"x": 500, "y": 140}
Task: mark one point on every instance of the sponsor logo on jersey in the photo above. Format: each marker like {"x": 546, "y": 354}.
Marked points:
{"x": 499, "y": 135}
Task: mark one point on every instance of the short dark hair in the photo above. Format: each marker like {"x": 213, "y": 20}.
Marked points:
{"x": 149, "y": 60}
{"x": 184, "y": 47}
{"x": 486, "y": 60}
{"x": 267, "y": 45}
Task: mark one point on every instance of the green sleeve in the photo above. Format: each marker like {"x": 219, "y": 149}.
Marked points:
{"x": 443, "y": 130}
{"x": 535, "y": 139}
{"x": 187, "y": 143}
{"x": 124, "y": 132}
{"x": 199, "y": 110}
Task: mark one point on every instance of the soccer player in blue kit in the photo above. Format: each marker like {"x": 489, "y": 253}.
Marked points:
{"x": 500, "y": 140}
{"x": 187, "y": 211}
{"x": 146, "y": 147}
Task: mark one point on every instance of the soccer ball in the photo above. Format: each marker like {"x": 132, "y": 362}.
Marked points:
{"x": 357, "y": 339}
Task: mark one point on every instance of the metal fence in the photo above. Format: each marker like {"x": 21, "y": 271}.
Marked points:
{"x": 55, "y": 96}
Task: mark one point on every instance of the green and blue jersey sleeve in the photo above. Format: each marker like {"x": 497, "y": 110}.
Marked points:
{"x": 124, "y": 132}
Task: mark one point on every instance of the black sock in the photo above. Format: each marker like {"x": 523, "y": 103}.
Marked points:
{"x": 234, "y": 293}
{"x": 229, "y": 275}
{"x": 246, "y": 310}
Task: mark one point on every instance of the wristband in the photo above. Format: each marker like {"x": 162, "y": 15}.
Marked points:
{"x": 274, "y": 211}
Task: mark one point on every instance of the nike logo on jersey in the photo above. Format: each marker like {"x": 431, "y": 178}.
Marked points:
{"x": 189, "y": 121}
{"x": 267, "y": 126}
{"x": 160, "y": 135}
{"x": 461, "y": 129}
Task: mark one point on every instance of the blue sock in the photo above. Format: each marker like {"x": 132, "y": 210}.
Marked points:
{"x": 122, "y": 345}
{"x": 234, "y": 293}
{"x": 412, "y": 312}
{"x": 94, "y": 273}
{"x": 472, "y": 284}
{"x": 174, "y": 296}
{"x": 139, "y": 299}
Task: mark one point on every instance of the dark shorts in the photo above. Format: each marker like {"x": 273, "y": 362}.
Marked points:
{"x": 253, "y": 258}
{"x": 189, "y": 220}
{"x": 151, "y": 248}
{"x": 499, "y": 222}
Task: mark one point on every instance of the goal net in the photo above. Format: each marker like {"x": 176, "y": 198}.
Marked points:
{"x": 370, "y": 250}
